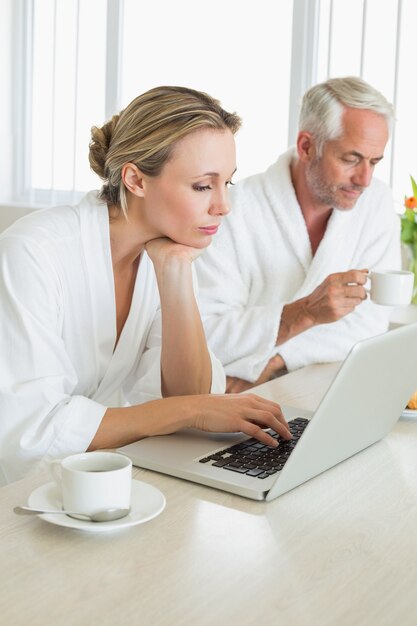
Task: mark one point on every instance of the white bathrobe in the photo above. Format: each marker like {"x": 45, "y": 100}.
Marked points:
{"x": 261, "y": 259}
{"x": 58, "y": 372}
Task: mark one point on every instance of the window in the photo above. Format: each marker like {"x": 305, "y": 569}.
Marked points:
{"x": 375, "y": 40}
{"x": 240, "y": 55}
{"x": 238, "y": 52}
{"x": 65, "y": 95}
{"x": 84, "y": 60}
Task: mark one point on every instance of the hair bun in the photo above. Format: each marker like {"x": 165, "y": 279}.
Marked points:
{"x": 100, "y": 144}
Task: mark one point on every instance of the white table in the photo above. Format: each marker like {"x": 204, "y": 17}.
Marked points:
{"x": 403, "y": 315}
{"x": 339, "y": 550}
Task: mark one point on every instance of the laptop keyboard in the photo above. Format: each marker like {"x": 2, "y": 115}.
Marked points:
{"x": 253, "y": 458}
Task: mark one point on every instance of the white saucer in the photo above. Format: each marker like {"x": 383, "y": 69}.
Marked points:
{"x": 409, "y": 413}
{"x": 146, "y": 502}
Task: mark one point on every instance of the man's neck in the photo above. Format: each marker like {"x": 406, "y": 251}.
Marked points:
{"x": 316, "y": 216}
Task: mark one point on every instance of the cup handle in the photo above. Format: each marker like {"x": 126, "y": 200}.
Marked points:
{"x": 55, "y": 470}
{"x": 367, "y": 285}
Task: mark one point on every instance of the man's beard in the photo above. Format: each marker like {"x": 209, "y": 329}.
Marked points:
{"x": 326, "y": 194}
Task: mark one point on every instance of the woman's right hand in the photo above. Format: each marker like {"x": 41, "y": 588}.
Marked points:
{"x": 246, "y": 413}
{"x": 225, "y": 413}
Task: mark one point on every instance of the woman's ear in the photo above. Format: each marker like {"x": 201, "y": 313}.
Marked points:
{"x": 134, "y": 180}
{"x": 305, "y": 146}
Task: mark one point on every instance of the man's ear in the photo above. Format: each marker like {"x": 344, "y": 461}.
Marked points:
{"x": 305, "y": 146}
{"x": 134, "y": 180}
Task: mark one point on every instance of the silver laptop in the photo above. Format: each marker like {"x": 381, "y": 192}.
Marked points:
{"x": 361, "y": 406}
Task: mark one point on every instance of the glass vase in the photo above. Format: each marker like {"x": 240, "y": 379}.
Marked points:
{"x": 413, "y": 268}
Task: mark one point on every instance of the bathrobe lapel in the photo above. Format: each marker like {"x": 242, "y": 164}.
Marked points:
{"x": 113, "y": 365}
{"x": 132, "y": 341}
{"x": 281, "y": 197}
{"x": 332, "y": 253}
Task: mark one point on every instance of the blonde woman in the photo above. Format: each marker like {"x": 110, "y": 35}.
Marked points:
{"x": 101, "y": 341}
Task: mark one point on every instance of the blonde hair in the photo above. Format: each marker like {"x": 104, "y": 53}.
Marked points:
{"x": 323, "y": 105}
{"x": 145, "y": 132}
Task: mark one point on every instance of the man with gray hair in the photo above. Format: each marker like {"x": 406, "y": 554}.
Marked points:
{"x": 282, "y": 285}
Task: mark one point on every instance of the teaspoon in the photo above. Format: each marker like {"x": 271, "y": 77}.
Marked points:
{"x": 107, "y": 515}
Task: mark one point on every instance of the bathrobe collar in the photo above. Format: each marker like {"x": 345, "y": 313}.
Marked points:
{"x": 113, "y": 364}
{"x": 281, "y": 197}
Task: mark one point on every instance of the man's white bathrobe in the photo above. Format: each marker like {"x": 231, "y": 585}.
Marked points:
{"x": 58, "y": 371}
{"x": 261, "y": 259}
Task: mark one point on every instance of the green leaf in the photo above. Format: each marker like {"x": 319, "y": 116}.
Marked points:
{"x": 409, "y": 215}
{"x": 408, "y": 231}
{"x": 414, "y": 186}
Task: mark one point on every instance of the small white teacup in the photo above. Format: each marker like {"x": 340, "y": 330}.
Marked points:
{"x": 93, "y": 481}
{"x": 391, "y": 287}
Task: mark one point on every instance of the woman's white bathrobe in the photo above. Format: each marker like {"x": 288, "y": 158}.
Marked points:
{"x": 261, "y": 259}
{"x": 58, "y": 372}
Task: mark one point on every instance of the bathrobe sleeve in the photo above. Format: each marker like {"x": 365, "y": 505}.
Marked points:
{"x": 242, "y": 332}
{"x": 41, "y": 415}
{"x": 261, "y": 260}
{"x": 380, "y": 249}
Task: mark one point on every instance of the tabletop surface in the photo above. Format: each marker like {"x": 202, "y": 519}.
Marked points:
{"x": 403, "y": 315}
{"x": 338, "y": 550}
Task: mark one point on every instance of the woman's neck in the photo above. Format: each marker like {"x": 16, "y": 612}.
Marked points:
{"x": 127, "y": 238}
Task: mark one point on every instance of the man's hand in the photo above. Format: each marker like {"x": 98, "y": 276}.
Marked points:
{"x": 338, "y": 295}
{"x": 237, "y": 385}
{"x": 274, "y": 367}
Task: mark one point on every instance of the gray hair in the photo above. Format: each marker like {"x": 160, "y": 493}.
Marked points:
{"x": 323, "y": 105}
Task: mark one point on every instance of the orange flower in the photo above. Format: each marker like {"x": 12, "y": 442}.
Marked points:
{"x": 411, "y": 202}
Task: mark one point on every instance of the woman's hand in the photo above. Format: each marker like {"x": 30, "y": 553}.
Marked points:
{"x": 185, "y": 359}
{"x": 247, "y": 413}
{"x": 231, "y": 413}
{"x": 162, "y": 249}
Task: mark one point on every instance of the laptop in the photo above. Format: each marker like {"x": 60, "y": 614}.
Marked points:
{"x": 362, "y": 405}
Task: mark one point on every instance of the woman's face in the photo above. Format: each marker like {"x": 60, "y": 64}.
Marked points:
{"x": 188, "y": 199}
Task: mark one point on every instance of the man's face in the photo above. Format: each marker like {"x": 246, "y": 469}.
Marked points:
{"x": 338, "y": 177}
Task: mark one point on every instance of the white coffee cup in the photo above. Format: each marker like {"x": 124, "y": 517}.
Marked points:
{"x": 93, "y": 481}
{"x": 391, "y": 287}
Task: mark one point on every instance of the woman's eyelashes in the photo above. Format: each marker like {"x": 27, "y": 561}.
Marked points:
{"x": 207, "y": 187}
{"x": 201, "y": 187}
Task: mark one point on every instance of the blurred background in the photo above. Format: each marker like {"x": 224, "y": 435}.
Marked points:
{"x": 69, "y": 64}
